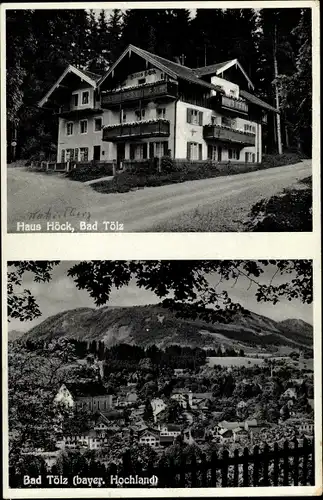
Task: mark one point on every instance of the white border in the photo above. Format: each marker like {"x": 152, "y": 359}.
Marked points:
{"x": 170, "y": 246}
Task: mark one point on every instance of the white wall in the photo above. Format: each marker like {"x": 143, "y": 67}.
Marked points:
{"x": 231, "y": 89}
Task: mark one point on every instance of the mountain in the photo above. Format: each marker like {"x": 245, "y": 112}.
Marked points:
{"x": 155, "y": 325}
{"x": 298, "y": 330}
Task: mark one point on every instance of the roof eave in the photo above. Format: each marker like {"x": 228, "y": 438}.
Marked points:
{"x": 72, "y": 69}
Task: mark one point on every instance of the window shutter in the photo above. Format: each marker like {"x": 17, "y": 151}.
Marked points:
{"x": 132, "y": 151}
{"x": 165, "y": 148}
{"x": 76, "y": 154}
{"x": 200, "y": 117}
{"x": 209, "y": 151}
{"x": 63, "y": 156}
{"x": 230, "y": 154}
{"x": 151, "y": 150}
{"x": 144, "y": 151}
{"x": 200, "y": 151}
{"x": 189, "y": 115}
{"x": 188, "y": 151}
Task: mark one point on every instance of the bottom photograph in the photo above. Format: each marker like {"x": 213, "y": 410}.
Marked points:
{"x": 167, "y": 374}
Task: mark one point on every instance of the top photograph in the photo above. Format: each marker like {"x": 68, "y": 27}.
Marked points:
{"x": 159, "y": 120}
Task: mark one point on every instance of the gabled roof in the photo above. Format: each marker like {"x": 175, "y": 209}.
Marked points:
{"x": 258, "y": 102}
{"x": 221, "y": 67}
{"x": 211, "y": 68}
{"x": 173, "y": 69}
{"x": 87, "y": 76}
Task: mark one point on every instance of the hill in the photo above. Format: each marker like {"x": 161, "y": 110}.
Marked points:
{"x": 155, "y": 325}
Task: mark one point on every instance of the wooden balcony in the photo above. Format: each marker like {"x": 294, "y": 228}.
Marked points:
{"x": 232, "y": 104}
{"x": 154, "y": 90}
{"x": 77, "y": 113}
{"x": 156, "y": 128}
{"x": 226, "y": 134}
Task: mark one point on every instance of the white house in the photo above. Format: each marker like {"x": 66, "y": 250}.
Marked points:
{"x": 146, "y": 106}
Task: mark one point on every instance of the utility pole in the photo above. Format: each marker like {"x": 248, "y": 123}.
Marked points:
{"x": 278, "y": 125}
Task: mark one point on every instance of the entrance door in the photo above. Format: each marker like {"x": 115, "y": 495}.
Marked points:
{"x": 97, "y": 153}
{"x": 120, "y": 154}
{"x": 219, "y": 153}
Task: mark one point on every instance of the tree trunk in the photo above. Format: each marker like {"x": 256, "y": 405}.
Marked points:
{"x": 278, "y": 125}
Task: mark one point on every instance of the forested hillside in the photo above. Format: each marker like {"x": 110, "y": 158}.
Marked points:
{"x": 273, "y": 45}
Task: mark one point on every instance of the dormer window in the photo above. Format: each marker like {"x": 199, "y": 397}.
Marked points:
{"x": 141, "y": 81}
{"x": 85, "y": 97}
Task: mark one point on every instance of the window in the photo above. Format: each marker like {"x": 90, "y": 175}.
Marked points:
{"x": 234, "y": 154}
{"x": 226, "y": 121}
{"x": 161, "y": 112}
{"x": 84, "y": 154}
{"x": 140, "y": 114}
{"x": 123, "y": 116}
{"x": 85, "y": 97}
{"x": 194, "y": 116}
{"x": 138, "y": 151}
{"x": 249, "y": 128}
{"x": 141, "y": 81}
{"x": 83, "y": 126}
{"x": 250, "y": 157}
{"x": 69, "y": 128}
{"x": 211, "y": 153}
{"x": 213, "y": 120}
{"x": 194, "y": 151}
{"x": 162, "y": 76}
{"x": 97, "y": 124}
{"x": 159, "y": 149}
{"x": 75, "y": 100}
{"x": 63, "y": 156}
{"x": 69, "y": 155}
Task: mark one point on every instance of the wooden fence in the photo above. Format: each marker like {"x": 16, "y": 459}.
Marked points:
{"x": 292, "y": 464}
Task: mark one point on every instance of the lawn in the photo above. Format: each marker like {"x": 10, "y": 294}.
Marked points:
{"x": 234, "y": 361}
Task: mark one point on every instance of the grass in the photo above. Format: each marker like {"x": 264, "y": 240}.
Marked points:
{"x": 291, "y": 210}
{"x": 237, "y": 361}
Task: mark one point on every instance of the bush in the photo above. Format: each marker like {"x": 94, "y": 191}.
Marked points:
{"x": 276, "y": 160}
{"x": 145, "y": 173}
{"x": 90, "y": 171}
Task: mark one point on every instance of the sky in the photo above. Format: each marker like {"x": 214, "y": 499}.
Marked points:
{"x": 61, "y": 294}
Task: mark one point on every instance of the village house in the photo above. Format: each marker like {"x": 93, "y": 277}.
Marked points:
{"x": 88, "y": 397}
{"x": 146, "y": 106}
{"x": 150, "y": 437}
{"x": 158, "y": 406}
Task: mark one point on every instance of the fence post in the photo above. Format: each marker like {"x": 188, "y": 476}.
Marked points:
{"x": 245, "y": 467}
{"x": 203, "y": 471}
{"x": 286, "y": 463}
{"x": 224, "y": 469}
{"x": 266, "y": 464}
{"x": 296, "y": 462}
{"x": 255, "y": 479}
{"x": 182, "y": 472}
{"x": 193, "y": 472}
{"x": 276, "y": 464}
{"x": 236, "y": 468}
{"x": 214, "y": 464}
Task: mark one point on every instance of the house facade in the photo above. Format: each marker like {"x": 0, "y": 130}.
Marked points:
{"x": 146, "y": 106}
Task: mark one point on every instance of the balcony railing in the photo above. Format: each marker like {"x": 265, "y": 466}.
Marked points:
{"x": 234, "y": 104}
{"x": 156, "y": 128}
{"x": 227, "y": 134}
{"x": 148, "y": 91}
{"x": 76, "y": 113}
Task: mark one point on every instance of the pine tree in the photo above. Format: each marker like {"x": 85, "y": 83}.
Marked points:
{"x": 114, "y": 35}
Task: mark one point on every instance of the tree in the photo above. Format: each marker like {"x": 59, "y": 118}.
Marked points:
{"x": 34, "y": 377}
{"x": 183, "y": 286}
{"x": 148, "y": 415}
